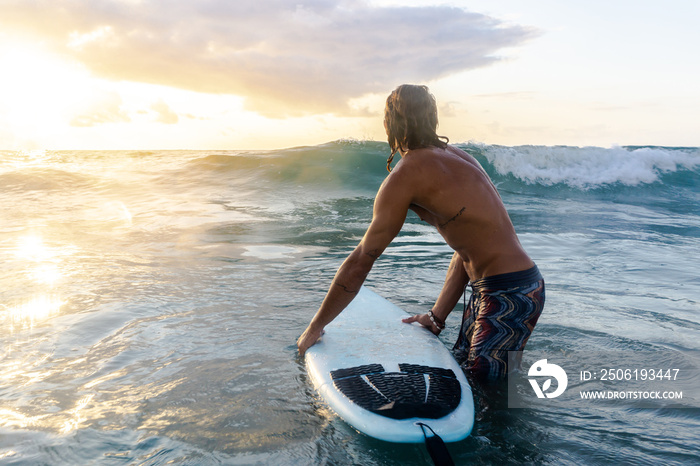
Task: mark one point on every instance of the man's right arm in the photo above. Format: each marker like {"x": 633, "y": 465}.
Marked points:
{"x": 390, "y": 210}
{"x": 344, "y": 287}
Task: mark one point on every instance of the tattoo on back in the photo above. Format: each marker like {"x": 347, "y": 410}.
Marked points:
{"x": 461, "y": 211}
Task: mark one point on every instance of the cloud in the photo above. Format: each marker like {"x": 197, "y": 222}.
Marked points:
{"x": 449, "y": 109}
{"x": 103, "y": 108}
{"x": 165, "y": 113}
{"x": 518, "y": 95}
{"x": 286, "y": 58}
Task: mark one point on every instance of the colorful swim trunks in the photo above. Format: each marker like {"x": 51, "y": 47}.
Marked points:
{"x": 500, "y": 316}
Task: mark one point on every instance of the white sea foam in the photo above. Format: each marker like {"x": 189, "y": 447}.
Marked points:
{"x": 588, "y": 167}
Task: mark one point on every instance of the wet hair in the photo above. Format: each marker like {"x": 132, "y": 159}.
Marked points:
{"x": 411, "y": 120}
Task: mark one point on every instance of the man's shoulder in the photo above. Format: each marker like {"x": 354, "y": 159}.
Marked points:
{"x": 424, "y": 156}
{"x": 416, "y": 170}
{"x": 432, "y": 157}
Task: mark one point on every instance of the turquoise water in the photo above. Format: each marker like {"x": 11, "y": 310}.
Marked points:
{"x": 150, "y": 301}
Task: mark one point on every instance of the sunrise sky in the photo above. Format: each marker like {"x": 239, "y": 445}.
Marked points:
{"x": 265, "y": 74}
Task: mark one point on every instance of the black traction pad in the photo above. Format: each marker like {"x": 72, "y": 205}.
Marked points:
{"x": 415, "y": 391}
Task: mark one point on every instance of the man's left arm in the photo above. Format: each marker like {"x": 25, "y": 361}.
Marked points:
{"x": 455, "y": 282}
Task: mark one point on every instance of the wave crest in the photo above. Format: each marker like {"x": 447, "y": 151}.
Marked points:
{"x": 589, "y": 167}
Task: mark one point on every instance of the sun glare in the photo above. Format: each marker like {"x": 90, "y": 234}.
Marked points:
{"x": 47, "y": 274}
{"x": 41, "y": 300}
{"x": 38, "y": 309}
{"x": 32, "y": 248}
{"x": 37, "y": 90}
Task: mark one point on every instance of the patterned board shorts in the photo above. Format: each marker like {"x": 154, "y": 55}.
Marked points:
{"x": 500, "y": 316}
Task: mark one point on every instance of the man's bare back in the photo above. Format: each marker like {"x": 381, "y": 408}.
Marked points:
{"x": 453, "y": 193}
{"x": 447, "y": 188}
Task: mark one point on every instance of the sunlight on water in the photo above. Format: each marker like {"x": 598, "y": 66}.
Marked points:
{"x": 7, "y": 454}
{"x": 111, "y": 211}
{"x": 46, "y": 274}
{"x": 68, "y": 421}
{"x": 10, "y": 418}
{"x": 28, "y": 158}
{"x": 269, "y": 252}
{"x": 120, "y": 210}
{"x": 23, "y": 370}
{"x": 76, "y": 414}
{"x": 28, "y": 314}
{"x": 38, "y": 301}
{"x": 32, "y": 248}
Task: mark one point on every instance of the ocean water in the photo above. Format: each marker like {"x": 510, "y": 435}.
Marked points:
{"x": 150, "y": 301}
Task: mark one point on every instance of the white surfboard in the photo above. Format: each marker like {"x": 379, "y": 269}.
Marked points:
{"x": 383, "y": 376}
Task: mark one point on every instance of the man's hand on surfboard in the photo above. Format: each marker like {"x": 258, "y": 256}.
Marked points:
{"x": 424, "y": 320}
{"x": 308, "y": 339}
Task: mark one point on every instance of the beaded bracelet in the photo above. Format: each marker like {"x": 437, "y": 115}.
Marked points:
{"x": 435, "y": 320}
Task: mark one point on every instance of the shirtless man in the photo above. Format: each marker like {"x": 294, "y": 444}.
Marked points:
{"x": 447, "y": 188}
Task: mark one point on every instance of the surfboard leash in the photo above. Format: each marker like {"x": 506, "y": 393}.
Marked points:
{"x": 436, "y": 447}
